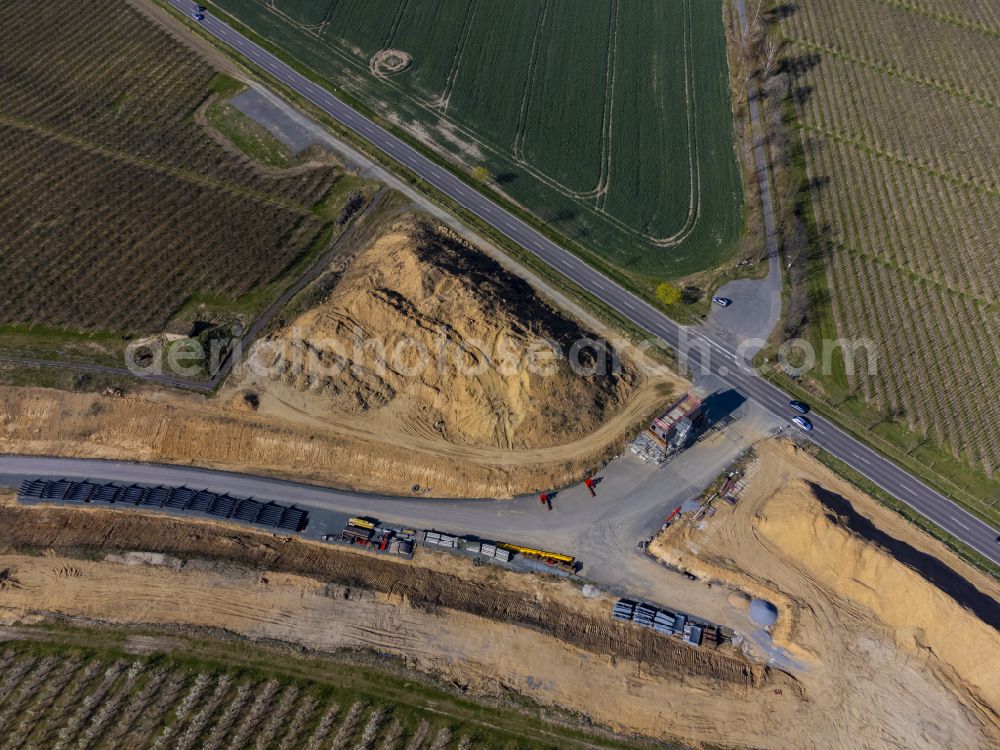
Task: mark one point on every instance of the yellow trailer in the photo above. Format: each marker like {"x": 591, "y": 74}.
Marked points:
{"x": 541, "y": 554}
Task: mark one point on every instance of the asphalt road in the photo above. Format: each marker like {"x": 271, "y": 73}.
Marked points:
{"x": 700, "y": 349}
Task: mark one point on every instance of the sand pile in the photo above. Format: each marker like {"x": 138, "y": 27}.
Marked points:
{"x": 367, "y": 419}
{"x": 925, "y": 620}
{"x": 893, "y": 634}
{"x": 425, "y": 334}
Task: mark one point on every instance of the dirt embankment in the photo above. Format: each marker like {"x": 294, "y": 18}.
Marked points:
{"x": 954, "y": 627}
{"x": 897, "y": 636}
{"x": 73, "y": 530}
{"x": 226, "y": 434}
{"x": 486, "y": 629}
{"x": 424, "y": 335}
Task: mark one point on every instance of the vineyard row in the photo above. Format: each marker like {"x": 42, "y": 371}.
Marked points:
{"x": 906, "y": 120}
{"x": 83, "y": 702}
{"x": 909, "y": 218}
{"x": 934, "y": 363}
{"x": 921, "y": 47}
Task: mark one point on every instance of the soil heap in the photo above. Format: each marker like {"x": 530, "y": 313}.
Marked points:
{"x": 424, "y": 334}
{"x": 894, "y": 635}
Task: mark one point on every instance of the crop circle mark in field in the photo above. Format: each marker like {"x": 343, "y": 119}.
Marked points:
{"x": 389, "y": 62}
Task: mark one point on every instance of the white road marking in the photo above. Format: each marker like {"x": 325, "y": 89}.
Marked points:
{"x": 959, "y": 523}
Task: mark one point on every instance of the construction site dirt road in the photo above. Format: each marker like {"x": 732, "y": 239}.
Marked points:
{"x": 632, "y": 501}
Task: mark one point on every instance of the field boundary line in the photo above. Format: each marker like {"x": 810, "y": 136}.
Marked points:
{"x": 121, "y": 156}
{"x": 894, "y": 72}
{"x": 517, "y": 148}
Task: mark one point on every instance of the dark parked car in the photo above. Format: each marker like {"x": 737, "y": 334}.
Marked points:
{"x": 722, "y": 301}
{"x": 799, "y": 406}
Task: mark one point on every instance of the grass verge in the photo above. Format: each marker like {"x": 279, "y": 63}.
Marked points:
{"x": 252, "y": 139}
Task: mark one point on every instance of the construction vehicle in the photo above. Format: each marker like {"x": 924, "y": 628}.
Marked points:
{"x": 671, "y": 431}
{"x": 377, "y": 537}
{"x": 676, "y": 512}
{"x": 355, "y": 535}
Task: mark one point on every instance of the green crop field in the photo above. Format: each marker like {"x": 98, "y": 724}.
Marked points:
{"x": 82, "y": 688}
{"x": 902, "y": 145}
{"x": 116, "y": 207}
{"x": 609, "y": 120}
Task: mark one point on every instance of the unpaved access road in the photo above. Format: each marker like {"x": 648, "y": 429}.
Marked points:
{"x": 633, "y": 499}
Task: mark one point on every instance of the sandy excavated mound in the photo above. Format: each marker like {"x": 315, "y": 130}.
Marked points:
{"x": 426, "y": 335}
{"x": 897, "y": 637}
{"x": 924, "y": 619}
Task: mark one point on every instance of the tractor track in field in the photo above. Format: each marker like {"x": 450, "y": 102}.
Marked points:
{"x": 600, "y": 193}
{"x": 437, "y": 109}
{"x": 441, "y": 104}
{"x": 517, "y": 148}
{"x": 390, "y": 36}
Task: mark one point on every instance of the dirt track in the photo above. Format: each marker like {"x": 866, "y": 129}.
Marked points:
{"x": 888, "y": 659}
{"x": 453, "y": 432}
{"x": 536, "y": 636}
{"x": 89, "y": 532}
{"x": 188, "y": 429}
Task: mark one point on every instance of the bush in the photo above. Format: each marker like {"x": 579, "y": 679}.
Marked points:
{"x": 668, "y": 294}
